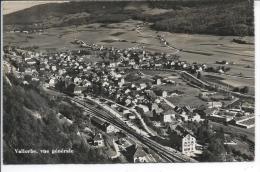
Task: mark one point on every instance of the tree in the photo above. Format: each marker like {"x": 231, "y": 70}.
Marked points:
{"x": 236, "y": 89}
{"x": 244, "y": 90}
{"x": 199, "y": 75}
{"x": 60, "y": 85}
{"x": 241, "y": 30}
{"x": 70, "y": 88}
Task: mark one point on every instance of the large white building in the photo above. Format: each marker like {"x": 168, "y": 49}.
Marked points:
{"x": 188, "y": 146}
{"x": 183, "y": 140}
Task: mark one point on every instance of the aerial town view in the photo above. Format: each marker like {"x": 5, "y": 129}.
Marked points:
{"x": 129, "y": 82}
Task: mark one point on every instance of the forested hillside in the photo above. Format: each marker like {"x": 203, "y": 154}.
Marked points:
{"x": 30, "y": 122}
{"x": 218, "y": 17}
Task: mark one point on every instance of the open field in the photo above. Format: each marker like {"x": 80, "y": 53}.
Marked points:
{"x": 189, "y": 98}
{"x": 188, "y": 95}
{"x": 196, "y": 48}
{"x": 232, "y": 81}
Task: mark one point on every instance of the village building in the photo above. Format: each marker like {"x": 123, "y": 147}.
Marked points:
{"x": 127, "y": 146}
{"x": 247, "y": 121}
{"x": 214, "y": 104}
{"x": 52, "y": 82}
{"x": 63, "y": 120}
{"x": 77, "y": 80}
{"x": 195, "y": 117}
{"x": 98, "y": 140}
{"x": 144, "y": 110}
{"x": 220, "y": 117}
{"x": 161, "y": 93}
{"x": 155, "y": 108}
{"x": 183, "y": 140}
{"x": 188, "y": 144}
{"x": 141, "y": 156}
{"x": 158, "y": 81}
{"x": 128, "y": 114}
{"x": 28, "y": 71}
{"x": 183, "y": 117}
{"x": 143, "y": 86}
{"x": 168, "y": 116}
{"x": 78, "y": 90}
{"x": 104, "y": 126}
{"x": 31, "y": 62}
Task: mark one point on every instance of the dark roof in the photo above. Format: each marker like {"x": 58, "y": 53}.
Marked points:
{"x": 151, "y": 94}
{"x": 168, "y": 112}
{"x": 187, "y": 109}
{"x": 79, "y": 88}
{"x": 181, "y": 131}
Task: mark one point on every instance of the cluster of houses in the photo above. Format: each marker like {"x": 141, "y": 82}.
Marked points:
{"x": 67, "y": 71}
{"x": 234, "y": 113}
{"x": 132, "y": 151}
{"x": 139, "y": 58}
{"x": 237, "y": 117}
{"x": 71, "y": 67}
{"x": 71, "y": 73}
{"x": 128, "y": 147}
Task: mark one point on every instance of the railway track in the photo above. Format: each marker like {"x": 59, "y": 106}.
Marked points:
{"x": 168, "y": 155}
{"x": 165, "y": 153}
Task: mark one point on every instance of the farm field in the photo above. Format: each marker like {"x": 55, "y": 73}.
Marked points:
{"x": 232, "y": 81}
{"x": 188, "y": 95}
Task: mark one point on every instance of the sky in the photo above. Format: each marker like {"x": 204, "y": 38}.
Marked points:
{"x": 13, "y": 6}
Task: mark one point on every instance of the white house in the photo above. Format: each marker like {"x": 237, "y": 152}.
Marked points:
{"x": 52, "y": 82}
{"x": 214, "y": 104}
{"x": 188, "y": 144}
{"x": 53, "y": 68}
{"x": 142, "y": 108}
{"x": 196, "y": 118}
{"x": 31, "y": 62}
{"x": 158, "y": 81}
{"x": 78, "y": 90}
{"x": 164, "y": 94}
{"x": 77, "y": 80}
{"x": 143, "y": 85}
{"x": 168, "y": 116}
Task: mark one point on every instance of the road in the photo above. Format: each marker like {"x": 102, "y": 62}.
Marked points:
{"x": 162, "y": 40}
{"x": 232, "y": 102}
{"x": 147, "y": 129}
{"x": 168, "y": 102}
{"x": 116, "y": 149}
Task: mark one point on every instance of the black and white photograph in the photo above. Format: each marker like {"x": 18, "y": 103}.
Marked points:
{"x": 119, "y": 82}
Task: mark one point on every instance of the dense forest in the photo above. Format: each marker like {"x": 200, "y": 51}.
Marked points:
{"x": 217, "y": 17}
{"x": 30, "y": 122}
